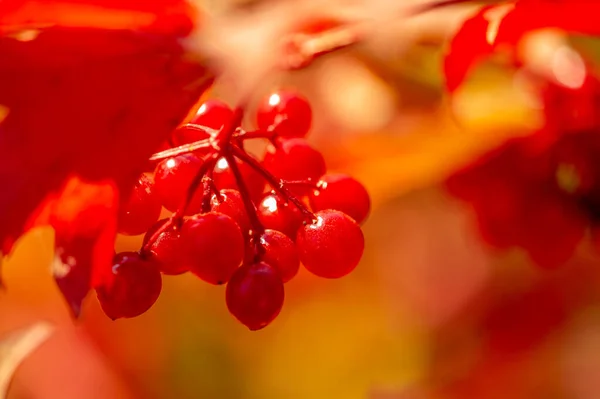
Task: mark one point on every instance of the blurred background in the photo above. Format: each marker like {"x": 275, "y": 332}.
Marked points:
{"x": 430, "y": 313}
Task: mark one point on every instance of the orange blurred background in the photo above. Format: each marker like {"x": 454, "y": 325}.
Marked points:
{"x": 431, "y": 312}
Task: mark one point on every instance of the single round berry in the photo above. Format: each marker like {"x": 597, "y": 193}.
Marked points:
{"x": 141, "y": 209}
{"x": 172, "y": 178}
{"x": 213, "y": 114}
{"x": 134, "y": 289}
{"x": 289, "y": 112}
{"x": 331, "y": 246}
{"x": 255, "y": 294}
{"x": 166, "y": 249}
{"x": 214, "y": 245}
{"x": 280, "y": 252}
{"x": 276, "y": 214}
{"x": 295, "y": 159}
{"x": 231, "y": 203}
{"x": 225, "y": 179}
{"x": 342, "y": 193}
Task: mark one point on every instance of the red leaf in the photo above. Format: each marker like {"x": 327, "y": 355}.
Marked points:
{"x": 84, "y": 219}
{"x": 468, "y": 46}
{"x": 492, "y": 27}
{"x": 86, "y": 100}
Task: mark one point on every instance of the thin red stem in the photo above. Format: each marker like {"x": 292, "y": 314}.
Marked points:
{"x": 302, "y": 183}
{"x": 182, "y": 149}
{"x": 193, "y": 187}
{"x": 176, "y": 220}
{"x": 256, "y": 134}
{"x": 207, "y": 194}
{"x": 257, "y": 227}
{"x": 172, "y": 222}
{"x": 277, "y": 184}
{"x": 223, "y": 138}
{"x": 213, "y": 186}
{"x": 434, "y": 5}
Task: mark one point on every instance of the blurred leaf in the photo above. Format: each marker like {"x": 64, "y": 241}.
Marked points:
{"x": 15, "y": 347}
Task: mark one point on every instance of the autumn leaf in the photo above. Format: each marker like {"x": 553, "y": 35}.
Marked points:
{"x": 88, "y": 91}
{"x": 505, "y": 25}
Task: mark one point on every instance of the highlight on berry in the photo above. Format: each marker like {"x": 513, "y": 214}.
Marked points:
{"x": 238, "y": 220}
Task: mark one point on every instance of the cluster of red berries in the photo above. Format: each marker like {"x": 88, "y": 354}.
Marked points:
{"x": 542, "y": 192}
{"x": 238, "y": 220}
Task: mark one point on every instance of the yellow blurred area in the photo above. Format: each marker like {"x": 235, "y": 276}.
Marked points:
{"x": 407, "y": 317}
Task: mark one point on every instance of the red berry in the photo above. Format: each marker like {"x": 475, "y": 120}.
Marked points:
{"x": 276, "y": 214}
{"x": 167, "y": 249}
{"x": 280, "y": 252}
{"x": 135, "y": 288}
{"x": 289, "y": 111}
{"x": 213, "y": 114}
{"x": 214, "y": 245}
{"x": 141, "y": 209}
{"x": 225, "y": 179}
{"x": 255, "y": 294}
{"x": 295, "y": 159}
{"x": 342, "y": 193}
{"x": 332, "y": 246}
{"x": 230, "y": 203}
{"x": 172, "y": 178}
{"x": 188, "y": 134}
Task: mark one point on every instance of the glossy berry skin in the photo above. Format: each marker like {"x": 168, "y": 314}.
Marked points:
{"x": 295, "y": 159}
{"x": 214, "y": 245}
{"x": 141, "y": 209}
{"x": 224, "y": 178}
{"x": 276, "y": 214}
{"x": 213, "y": 114}
{"x": 255, "y": 295}
{"x": 230, "y": 203}
{"x": 166, "y": 250}
{"x": 280, "y": 253}
{"x": 135, "y": 288}
{"x": 330, "y": 247}
{"x": 342, "y": 193}
{"x": 172, "y": 178}
{"x": 289, "y": 111}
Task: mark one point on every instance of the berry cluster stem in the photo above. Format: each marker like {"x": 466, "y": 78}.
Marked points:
{"x": 257, "y": 227}
{"x": 176, "y": 220}
{"x": 195, "y": 184}
{"x": 223, "y": 138}
{"x": 182, "y": 149}
{"x": 277, "y": 184}
{"x": 207, "y": 194}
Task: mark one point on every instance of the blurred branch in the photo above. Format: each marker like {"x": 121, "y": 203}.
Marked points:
{"x": 250, "y": 44}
